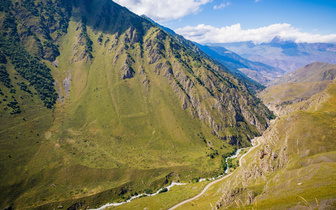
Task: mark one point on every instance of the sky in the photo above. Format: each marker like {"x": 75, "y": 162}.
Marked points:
{"x": 223, "y": 21}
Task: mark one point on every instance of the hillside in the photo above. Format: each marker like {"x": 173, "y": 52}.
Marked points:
{"x": 293, "y": 167}
{"x": 98, "y": 104}
{"x": 297, "y": 86}
{"x": 286, "y": 55}
{"x": 295, "y": 164}
{"x": 314, "y": 72}
{"x": 278, "y": 97}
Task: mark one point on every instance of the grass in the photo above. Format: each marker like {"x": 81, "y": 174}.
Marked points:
{"x": 21, "y": 137}
{"x": 165, "y": 200}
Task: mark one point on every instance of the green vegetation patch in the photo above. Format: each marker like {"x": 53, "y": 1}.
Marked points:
{"x": 37, "y": 73}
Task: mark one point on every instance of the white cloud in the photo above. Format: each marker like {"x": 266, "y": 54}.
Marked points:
{"x": 222, "y": 5}
{"x": 234, "y": 33}
{"x": 163, "y": 10}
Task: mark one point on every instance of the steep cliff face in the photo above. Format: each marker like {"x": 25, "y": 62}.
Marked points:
{"x": 99, "y": 95}
{"x": 294, "y": 166}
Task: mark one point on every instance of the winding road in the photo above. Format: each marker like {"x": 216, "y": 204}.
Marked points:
{"x": 215, "y": 181}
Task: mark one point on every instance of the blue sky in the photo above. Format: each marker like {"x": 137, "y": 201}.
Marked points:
{"x": 310, "y": 16}
{"x": 207, "y": 21}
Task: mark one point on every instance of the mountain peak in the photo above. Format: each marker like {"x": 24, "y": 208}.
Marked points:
{"x": 277, "y": 40}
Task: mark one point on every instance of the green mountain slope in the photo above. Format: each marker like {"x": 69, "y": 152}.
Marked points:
{"x": 99, "y": 104}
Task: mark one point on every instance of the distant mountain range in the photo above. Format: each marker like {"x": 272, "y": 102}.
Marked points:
{"x": 257, "y": 71}
{"x": 286, "y": 55}
{"x": 264, "y": 62}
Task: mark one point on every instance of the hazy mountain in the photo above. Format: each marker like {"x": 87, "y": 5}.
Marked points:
{"x": 98, "y": 104}
{"x": 257, "y": 71}
{"x": 286, "y": 55}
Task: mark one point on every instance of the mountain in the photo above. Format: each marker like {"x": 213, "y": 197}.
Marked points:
{"x": 98, "y": 104}
{"x": 286, "y": 55}
{"x": 257, "y": 71}
{"x": 231, "y": 63}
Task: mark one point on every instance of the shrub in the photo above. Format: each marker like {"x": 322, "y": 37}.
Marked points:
{"x": 164, "y": 190}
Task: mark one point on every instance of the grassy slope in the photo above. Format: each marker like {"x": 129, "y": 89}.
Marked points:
{"x": 313, "y": 72}
{"x": 297, "y": 86}
{"x": 21, "y": 137}
{"x": 278, "y": 97}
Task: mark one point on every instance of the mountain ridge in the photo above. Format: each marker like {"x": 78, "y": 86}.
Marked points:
{"x": 253, "y": 85}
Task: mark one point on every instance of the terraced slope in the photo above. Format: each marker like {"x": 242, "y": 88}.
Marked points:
{"x": 99, "y": 104}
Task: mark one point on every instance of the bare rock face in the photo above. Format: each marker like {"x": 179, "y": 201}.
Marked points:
{"x": 82, "y": 48}
{"x": 127, "y": 72}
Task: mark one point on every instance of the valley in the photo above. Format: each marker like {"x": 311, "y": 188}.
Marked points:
{"x": 103, "y": 109}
